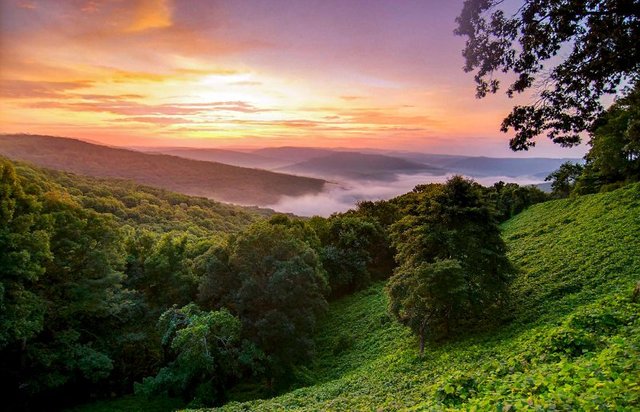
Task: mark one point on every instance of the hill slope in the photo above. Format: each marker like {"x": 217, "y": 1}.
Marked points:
{"x": 573, "y": 342}
{"x": 353, "y": 165}
{"x": 480, "y": 166}
{"x": 213, "y": 180}
{"x": 144, "y": 207}
{"x": 229, "y": 157}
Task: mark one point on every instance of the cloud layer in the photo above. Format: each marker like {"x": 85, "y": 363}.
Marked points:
{"x": 343, "y": 196}
{"x": 380, "y": 74}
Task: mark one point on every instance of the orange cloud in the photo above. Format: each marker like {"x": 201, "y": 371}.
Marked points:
{"x": 156, "y": 120}
{"x": 150, "y": 14}
{"x": 20, "y": 89}
{"x": 113, "y": 105}
{"x": 27, "y": 4}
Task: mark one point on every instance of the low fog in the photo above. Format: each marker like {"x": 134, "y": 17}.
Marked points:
{"x": 342, "y": 196}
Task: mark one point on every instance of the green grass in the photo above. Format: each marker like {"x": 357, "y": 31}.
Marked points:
{"x": 573, "y": 342}
{"x": 132, "y": 403}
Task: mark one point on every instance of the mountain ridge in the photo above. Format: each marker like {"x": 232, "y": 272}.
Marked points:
{"x": 217, "y": 181}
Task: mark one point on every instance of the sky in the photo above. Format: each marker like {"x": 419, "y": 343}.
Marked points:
{"x": 322, "y": 73}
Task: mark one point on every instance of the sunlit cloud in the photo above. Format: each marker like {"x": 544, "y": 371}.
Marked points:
{"x": 250, "y": 73}
{"x": 150, "y": 14}
{"x": 20, "y": 89}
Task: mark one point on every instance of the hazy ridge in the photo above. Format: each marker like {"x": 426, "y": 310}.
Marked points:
{"x": 217, "y": 181}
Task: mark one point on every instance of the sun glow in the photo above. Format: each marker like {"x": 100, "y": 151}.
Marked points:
{"x": 157, "y": 72}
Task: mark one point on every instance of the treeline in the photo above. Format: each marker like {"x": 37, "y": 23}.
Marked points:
{"x": 613, "y": 159}
{"x": 107, "y": 285}
{"x": 86, "y": 267}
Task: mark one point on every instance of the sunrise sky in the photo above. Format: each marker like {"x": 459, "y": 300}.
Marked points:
{"x": 378, "y": 74}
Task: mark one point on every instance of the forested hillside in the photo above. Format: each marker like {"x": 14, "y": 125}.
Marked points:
{"x": 110, "y": 288}
{"x": 86, "y": 266}
{"x": 571, "y": 342}
{"x": 192, "y": 177}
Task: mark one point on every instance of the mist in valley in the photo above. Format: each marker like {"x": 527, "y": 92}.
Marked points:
{"x": 343, "y": 195}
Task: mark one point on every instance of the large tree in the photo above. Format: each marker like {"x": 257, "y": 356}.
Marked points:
{"x": 204, "y": 353}
{"x": 453, "y": 268}
{"x": 571, "y": 52}
{"x": 24, "y": 250}
{"x": 270, "y": 278}
{"x": 614, "y": 158}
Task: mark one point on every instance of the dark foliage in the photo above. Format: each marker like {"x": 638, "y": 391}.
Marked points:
{"x": 509, "y": 199}
{"x": 85, "y": 274}
{"x": 453, "y": 268}
{"x": 600, "y": 39}
{"x": 614, "y": 157}
{"x": 273, "y": 281}
{"x": 355, "y": 251}
{"x": 564, "y": 179}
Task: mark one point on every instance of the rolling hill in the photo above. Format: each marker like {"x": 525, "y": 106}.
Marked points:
{"x": 481, "y": 166}
{"x": 572, "y": 343}
{"x": 199, "y": 178}
{"x": 151, "y": 208}
{"x": 369, "y": 164}
{"x": 229, "y": 157}
{"x": 293, "y": 154}
{"x": 360, "y": 166}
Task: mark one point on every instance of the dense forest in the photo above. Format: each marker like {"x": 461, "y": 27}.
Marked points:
{"x": 109, "y": 287}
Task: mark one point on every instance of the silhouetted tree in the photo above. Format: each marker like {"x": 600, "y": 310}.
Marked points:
{"x": 601, "y": 42}
{"x": 564, "y": 179}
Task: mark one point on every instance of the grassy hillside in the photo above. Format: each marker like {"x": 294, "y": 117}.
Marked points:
{"x": 192, "y": 177}
{"x": 573, "y": 342}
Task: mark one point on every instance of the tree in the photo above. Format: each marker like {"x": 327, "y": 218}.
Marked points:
{"x": 273, "y": 281}
{"x": 601, "y": 41}
{"x": 24, "y": 251}
{"x": 354, "y": 251}
{"x": 427, "y": 296}
{"x": 564, "y": 179}
{"x": 614, "y": 157}
{"x": 509, "y": 199}
{"x": 205, "y": 353}
{"x": 168, "y": 278}
{"x": 85, "y": 301}
{"x": 453, "y": 268}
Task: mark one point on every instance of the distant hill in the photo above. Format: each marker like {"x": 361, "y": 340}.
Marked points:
{"x": 474, "y": 166}
{"x": 229, "y": 157}
{"x": 369, "y": 164}
{"x": 491, "y": 166}
{"x": 488, "y": 166}
{"x": 199, "y": 178}
{"x": 294, "y": 154}
{"x": 354, "y": 165}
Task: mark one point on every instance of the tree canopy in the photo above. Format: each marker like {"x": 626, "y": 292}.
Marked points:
{"x": 89, "y": 267}
{"x": 452, "y": 261}
{"x": 273, "y": 281}
{"x": 614, "y": 157}
{"x": 571, "y": 52}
